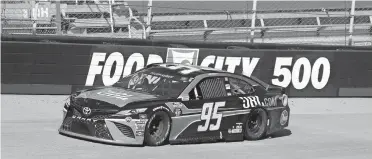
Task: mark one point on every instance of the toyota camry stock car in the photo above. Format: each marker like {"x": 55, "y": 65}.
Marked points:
{"x": 176, "y": 103}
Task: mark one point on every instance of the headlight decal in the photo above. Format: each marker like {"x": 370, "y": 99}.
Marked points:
{"x": 131, "y": 112}
{"x": 68, "y": 101}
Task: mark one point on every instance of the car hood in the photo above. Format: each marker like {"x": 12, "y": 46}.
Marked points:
{"x": 110, "y": 97}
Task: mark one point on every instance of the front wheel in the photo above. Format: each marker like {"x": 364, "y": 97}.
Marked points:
{"x": 157, "y": 129}
{"x": 255, "y": 126}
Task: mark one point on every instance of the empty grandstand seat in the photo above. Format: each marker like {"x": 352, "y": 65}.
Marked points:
{"x": 93, "y": 18}
{"x": 16, "y": 27}
{"x": 15, "y": 10}
{"x": 82, "y": 26}
{"x": 27, "y": 27}
{"x": 22, "y": 18}
{"x": 88, "y": 9}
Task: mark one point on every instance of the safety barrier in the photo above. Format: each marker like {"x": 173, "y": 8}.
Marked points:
{"x": 59, "y": 65}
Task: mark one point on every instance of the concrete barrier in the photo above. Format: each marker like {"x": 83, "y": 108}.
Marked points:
{"x": 60, "y": 67}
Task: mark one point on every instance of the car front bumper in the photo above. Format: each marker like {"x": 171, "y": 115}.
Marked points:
{"x": 106, "y": 130}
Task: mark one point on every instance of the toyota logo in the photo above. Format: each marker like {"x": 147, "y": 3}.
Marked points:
{"x": 86, "y": 110}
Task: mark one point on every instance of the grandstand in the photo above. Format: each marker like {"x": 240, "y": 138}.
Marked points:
{"x": 92, "y": 18}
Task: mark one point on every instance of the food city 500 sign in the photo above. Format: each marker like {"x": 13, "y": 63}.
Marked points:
{"x": 115, "y": 60}
{"x": 310, "y": 72}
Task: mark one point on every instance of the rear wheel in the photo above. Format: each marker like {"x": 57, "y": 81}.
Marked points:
{"x": 157, "y": 129}
{"x": 255, "y": 126}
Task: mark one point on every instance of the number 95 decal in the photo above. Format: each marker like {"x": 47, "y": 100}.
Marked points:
{"x": 207, "y": 115}
{"x": 309, "y": 73}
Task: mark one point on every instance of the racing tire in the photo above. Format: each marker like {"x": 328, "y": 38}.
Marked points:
{"x": 157, "y": 129}
{"x": 256, "y": 125}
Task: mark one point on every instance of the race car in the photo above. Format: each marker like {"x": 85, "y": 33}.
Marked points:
{"x": 167, "y": 103}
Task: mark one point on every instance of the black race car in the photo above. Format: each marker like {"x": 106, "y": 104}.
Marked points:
{"x": 176, "y": 103}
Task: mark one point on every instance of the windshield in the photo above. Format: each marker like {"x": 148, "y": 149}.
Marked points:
{"x": 155, "y": 81}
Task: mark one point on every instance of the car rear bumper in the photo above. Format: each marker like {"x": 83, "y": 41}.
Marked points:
{"x": 277, "y": 120}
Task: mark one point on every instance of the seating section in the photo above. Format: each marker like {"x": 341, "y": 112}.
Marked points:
{"x": 91, "y": 17}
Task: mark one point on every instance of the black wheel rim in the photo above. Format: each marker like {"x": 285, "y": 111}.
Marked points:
{"x": 254, "y": 122}
{"x": 157, "y": 127}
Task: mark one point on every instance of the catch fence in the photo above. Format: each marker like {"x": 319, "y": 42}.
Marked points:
{"x": 293, "y": 22}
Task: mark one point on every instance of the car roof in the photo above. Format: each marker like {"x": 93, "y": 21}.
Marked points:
{"x": 200, "y": 69}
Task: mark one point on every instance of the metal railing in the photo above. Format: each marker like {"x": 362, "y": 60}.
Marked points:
{"x": 271, "y": 23}
{"x": 257, "y": 21}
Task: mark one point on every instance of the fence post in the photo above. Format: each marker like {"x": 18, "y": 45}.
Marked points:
{"x": 111, "y": 17}
{"x": 253, "y": 23}
{"x": 148, "y": 22}
{"x": 351, "y": 27}
{"x": 58, "y": 19}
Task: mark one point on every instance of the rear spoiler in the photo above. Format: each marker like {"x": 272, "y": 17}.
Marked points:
{"x": 272, "y": 88}
{"x": 268, "y": 87}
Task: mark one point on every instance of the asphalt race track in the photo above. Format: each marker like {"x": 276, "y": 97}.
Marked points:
{"x": 319, "y": 128}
